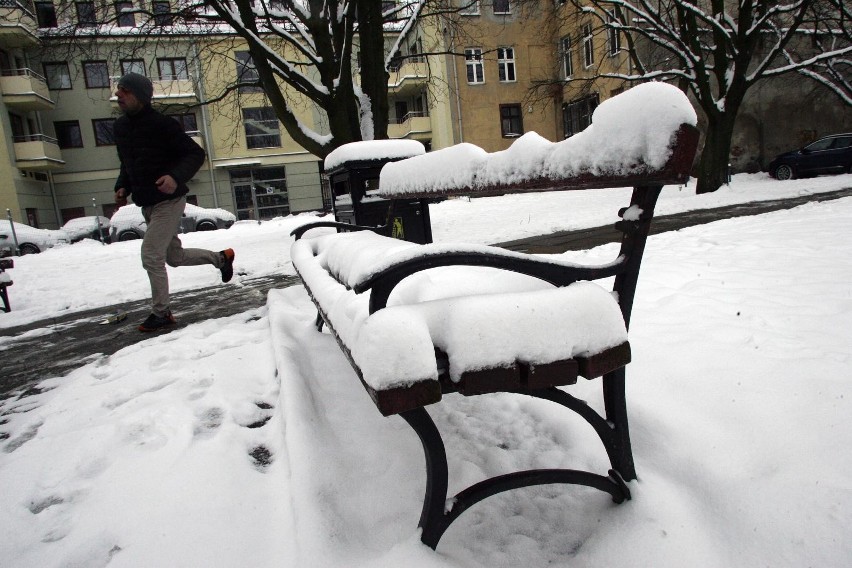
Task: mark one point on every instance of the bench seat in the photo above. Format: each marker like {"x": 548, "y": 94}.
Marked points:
{"x": 436, "y": 336}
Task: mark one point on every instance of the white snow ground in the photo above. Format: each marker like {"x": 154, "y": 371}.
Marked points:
{"x": 738, "y": 398}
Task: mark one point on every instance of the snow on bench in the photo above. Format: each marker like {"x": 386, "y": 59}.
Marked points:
{"x": 420, "y": 321}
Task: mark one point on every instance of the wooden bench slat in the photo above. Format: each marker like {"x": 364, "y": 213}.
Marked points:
{"x": 604, "y": 362}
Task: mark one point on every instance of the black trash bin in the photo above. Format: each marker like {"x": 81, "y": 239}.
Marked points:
{"x": 355, "y": 201}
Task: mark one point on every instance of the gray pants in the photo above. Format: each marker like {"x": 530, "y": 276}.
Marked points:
{"x": 161, "y": 246}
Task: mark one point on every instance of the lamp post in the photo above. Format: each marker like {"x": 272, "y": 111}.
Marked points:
{"x": 97, "y": 221}
{"x": 14, "y": 235}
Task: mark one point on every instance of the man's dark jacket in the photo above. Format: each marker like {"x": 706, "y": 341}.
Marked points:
{"x": 151, "y": 145}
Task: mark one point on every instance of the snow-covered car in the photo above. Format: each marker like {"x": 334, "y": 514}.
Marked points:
{"x": 87, "y": 228}
{"x": 128, "y": 224}
{"x": 30, "y": 239}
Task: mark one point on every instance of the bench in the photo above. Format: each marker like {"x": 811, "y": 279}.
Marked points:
{"x": 5, "y": 282}
{"x": 412, "y": 336}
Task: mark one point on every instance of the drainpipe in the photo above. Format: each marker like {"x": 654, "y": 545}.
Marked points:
{"x": 456, "y": 85}
{"x": 52, "y": 187}
{"x": 204, "y": 125}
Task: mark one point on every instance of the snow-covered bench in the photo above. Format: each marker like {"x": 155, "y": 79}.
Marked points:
{"x": 420, "y": 321}
{"x": 5, "y": 282}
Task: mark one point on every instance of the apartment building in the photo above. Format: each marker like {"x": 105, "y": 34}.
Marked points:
{"x": 27, "y": 154}
{"x": 57, "y": 128}
{"x": 486, "y": 74}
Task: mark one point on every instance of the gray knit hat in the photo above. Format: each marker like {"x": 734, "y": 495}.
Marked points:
{"x": 139, "y": 85}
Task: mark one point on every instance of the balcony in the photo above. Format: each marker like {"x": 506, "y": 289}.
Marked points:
{"x": 413, "y": 126}
{"x": 409, "y": 78}
{"x": 37, "y": 152}
{"x": 17, "y": 24}
{"x": 167, "y": 91}
{"x": 25, "y": 90}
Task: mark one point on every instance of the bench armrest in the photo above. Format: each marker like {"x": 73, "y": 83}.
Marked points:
{"x": 298, "y": 232}
{"x": 383, "y": 282}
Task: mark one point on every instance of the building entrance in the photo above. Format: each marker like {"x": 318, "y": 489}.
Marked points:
{"x": 260, "y": 193}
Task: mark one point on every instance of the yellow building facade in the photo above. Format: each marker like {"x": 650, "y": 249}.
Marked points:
{"x": 486, "y": 76}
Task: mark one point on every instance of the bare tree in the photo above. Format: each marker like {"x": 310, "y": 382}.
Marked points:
{"x": 718, "y": 49}
{"x": 330, "y": 54}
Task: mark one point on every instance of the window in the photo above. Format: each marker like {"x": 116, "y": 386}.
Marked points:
{"x": 577, "y": 115}
{"x": 469, "y": 8}
{"x": 588, "y": 47}
{"x": 86, "y": 14}
{"x": 58, "y": 76}
{"x": 68, "y": 134}
{"x": 172, "y": 68}
{"x": 502, "y": 7}
{"x": 247, "y": 73}
{"x": 123, "y": 18}
{"x": 261, "y": 126}
{"x": 840, "y": 143}
{"x": 613, "y": 38}
{"x": 567, "y": 59}
{"x": 133, "y": 66}
{"x": 162, "y": 14}
{"x": 187, "y": 121}
{"x": 473, "y": 60}
{"x": 19, "y": 133}
{"x": 506, "y": 64}
{"x": 96, "y": 74}
{"x": 103, "y": 131}
{"x": 511, "y": 121}
{"x": 45, "y": 14}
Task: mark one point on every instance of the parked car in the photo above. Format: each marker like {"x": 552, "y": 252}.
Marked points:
{"x": 128, "y": 224}
{"x": 87, "y": 228}
{"x": 30, "y": 239}
{"x": 828, "y": 155}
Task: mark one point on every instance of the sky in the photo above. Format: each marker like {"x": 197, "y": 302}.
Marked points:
{"x": 248, "y": 440}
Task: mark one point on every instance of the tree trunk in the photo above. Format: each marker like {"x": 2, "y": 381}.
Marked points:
{"x": 374, "y": 75}
{"x": 713, "y": 166}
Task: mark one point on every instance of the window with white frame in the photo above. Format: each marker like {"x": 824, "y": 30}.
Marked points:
{"x": 172, "y": 68}
{"x": 567, "y": 59}
{"x": 501, "y": 7}
{"x": 588, "y": 46}
{"x": 262, "y": 128}
{"x": 506, "y": 64}
{"x": 473, "y": 61}
{"x": 469, "y": 7}
{"x": 613, "y": 37}
{"x": 133, "y": 66}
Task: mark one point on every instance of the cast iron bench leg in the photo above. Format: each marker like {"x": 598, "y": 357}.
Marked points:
{"x": 432, "y": 518}
{"x": 438, "y": 514}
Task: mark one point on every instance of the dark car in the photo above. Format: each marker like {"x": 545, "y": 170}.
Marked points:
{"x": 828, "y": 155}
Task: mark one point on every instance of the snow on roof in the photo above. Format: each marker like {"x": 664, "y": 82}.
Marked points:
{"x": 633, "y": 128}
{"x": 373, "y": 150}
